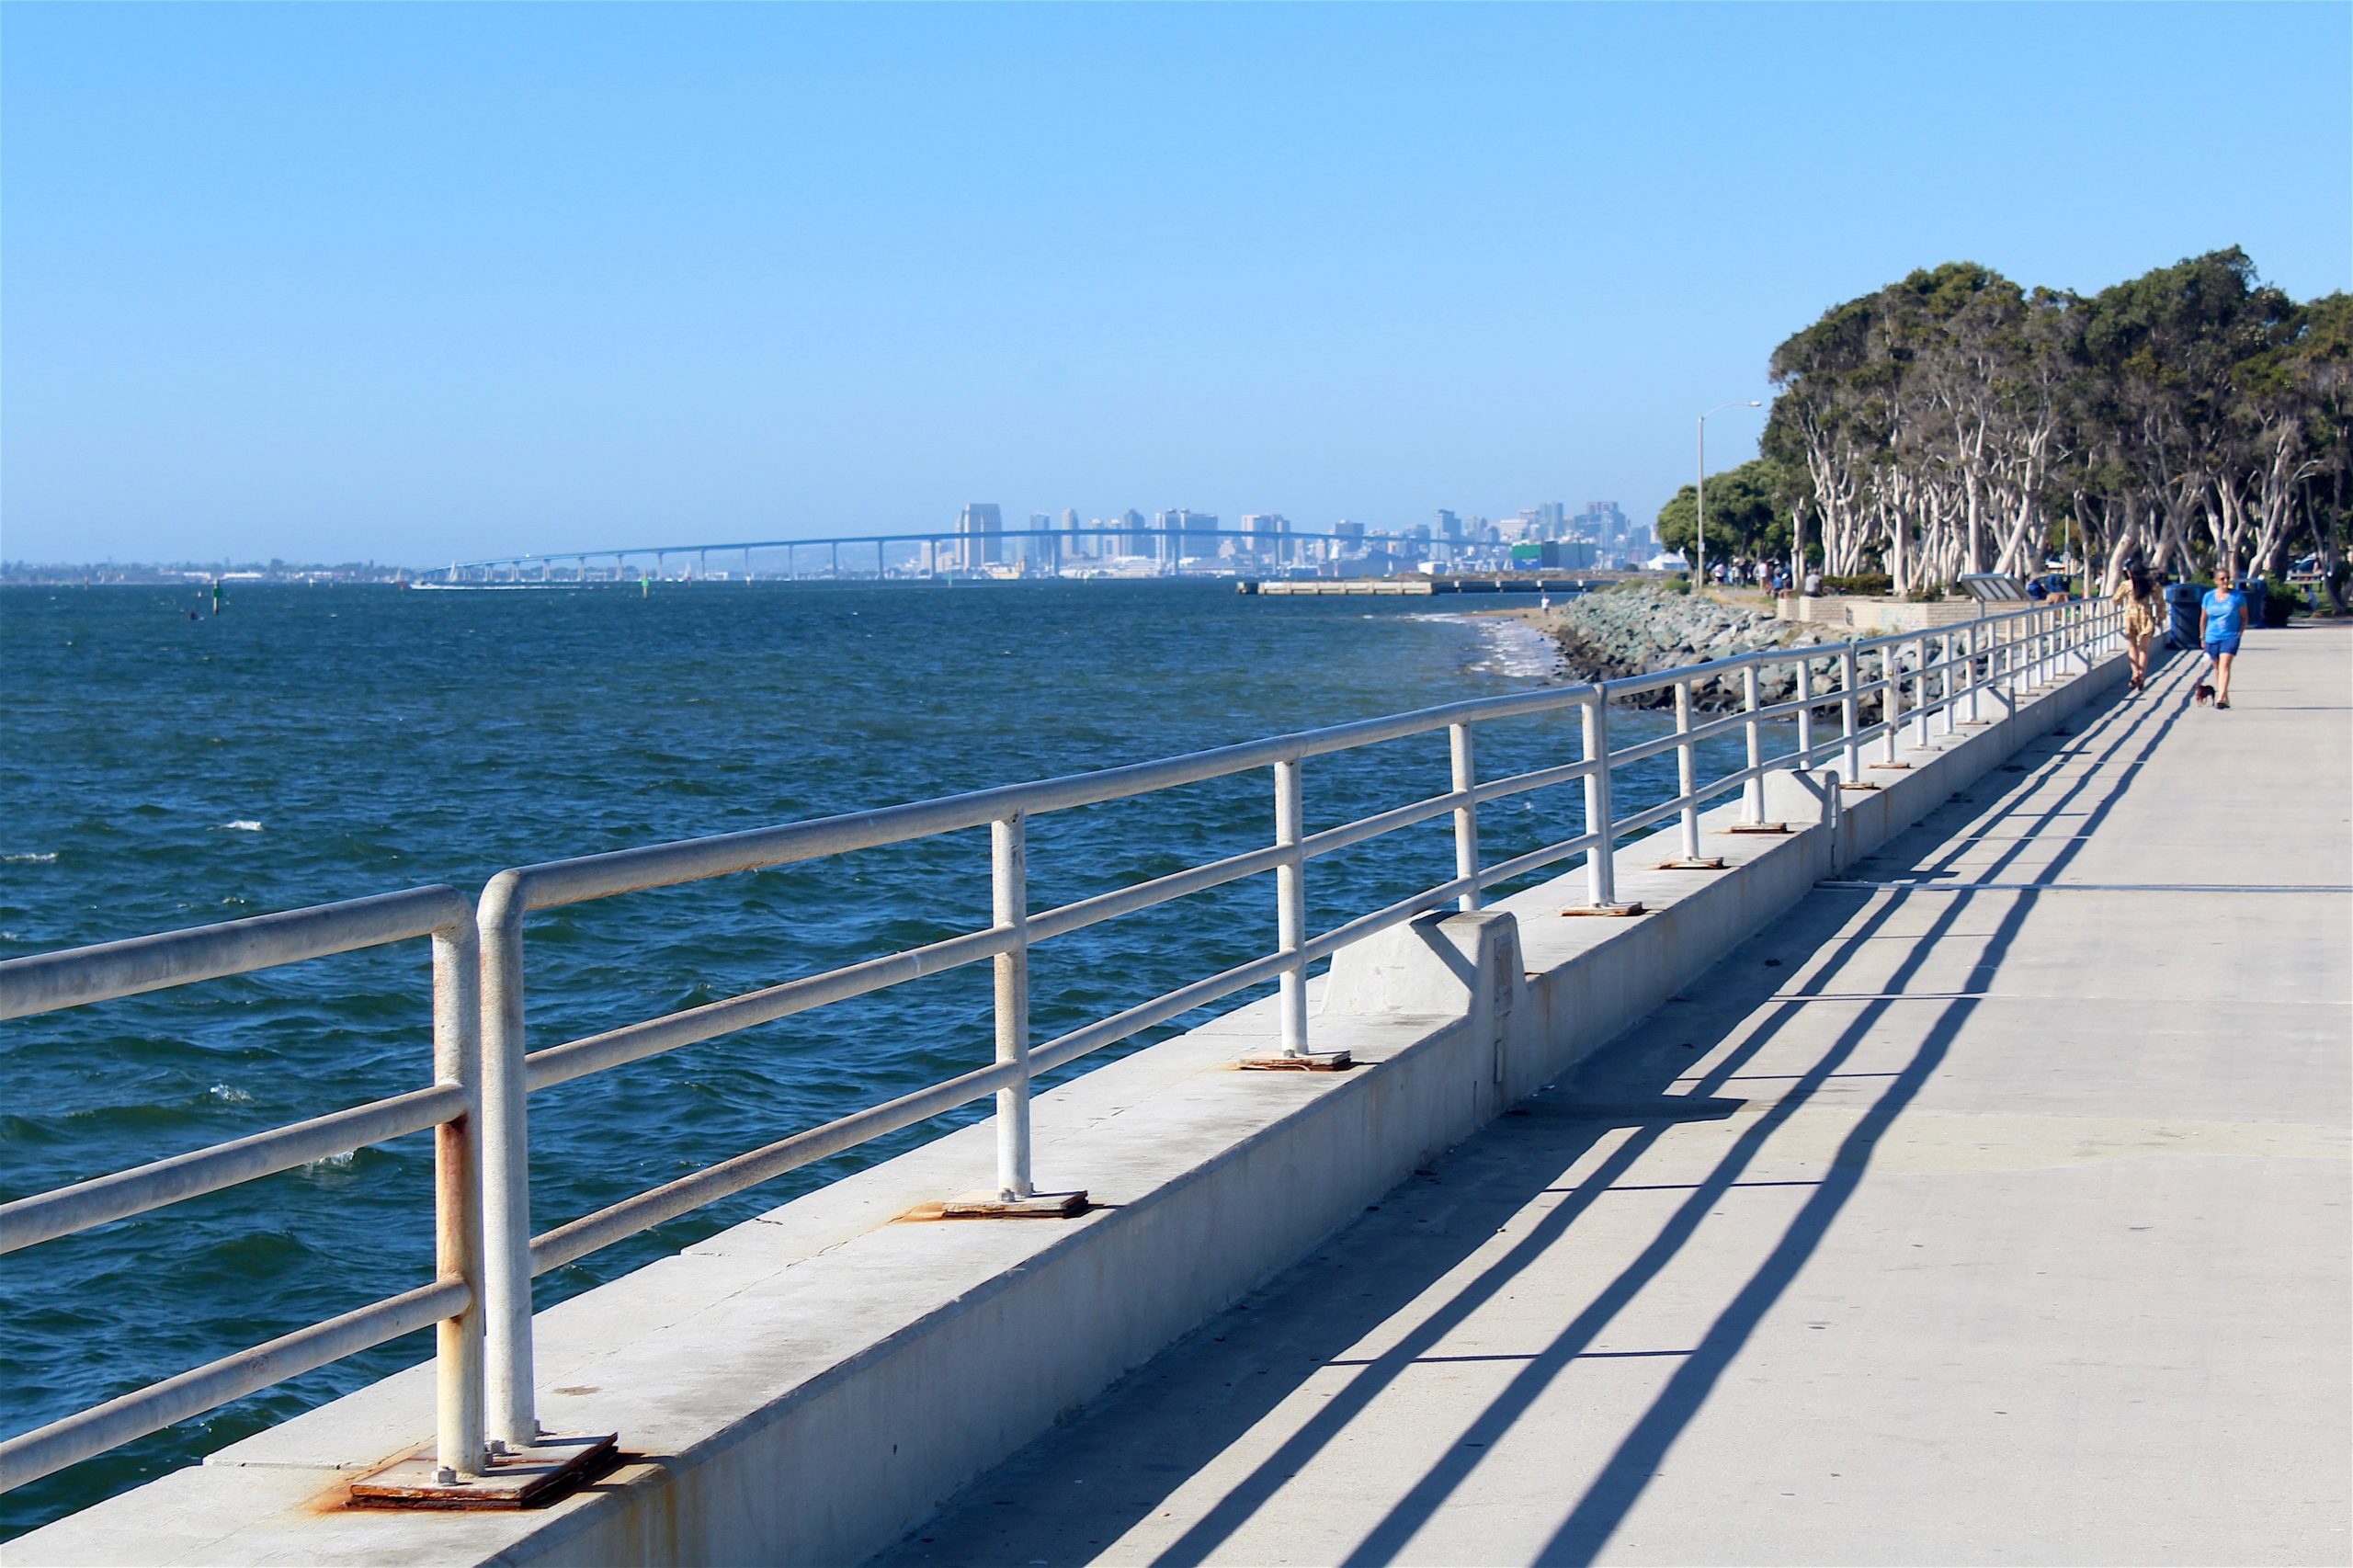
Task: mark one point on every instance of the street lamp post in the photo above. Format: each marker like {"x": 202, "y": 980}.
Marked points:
{"x": 1700, "y": 494}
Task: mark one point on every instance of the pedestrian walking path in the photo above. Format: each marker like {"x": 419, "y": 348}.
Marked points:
{"x": 1992, "y": 1207}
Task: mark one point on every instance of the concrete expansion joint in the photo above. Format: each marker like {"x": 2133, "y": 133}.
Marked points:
{"x": 1703, "y": 863}
{"x": 1758, "y": 828}
{"x": 1605, "y": 909}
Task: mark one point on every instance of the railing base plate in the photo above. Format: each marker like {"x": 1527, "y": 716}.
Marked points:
{"x": 1307, "y": 1061}
{"x": 524, "y": 1478}
{"x": 1694, "y": 863}
{"x": 1617, "y": 909}
{"x": 1758, "y": 828}
{"x": 1038, "y": 1206}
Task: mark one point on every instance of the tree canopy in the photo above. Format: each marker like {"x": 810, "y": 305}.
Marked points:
{"x": 1955, "y": 421}
{"x": 1748, "y": 514}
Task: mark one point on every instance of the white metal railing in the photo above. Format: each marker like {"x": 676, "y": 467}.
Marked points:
{"x": 48, "y": 981}
{"x": 1936, "y": 678}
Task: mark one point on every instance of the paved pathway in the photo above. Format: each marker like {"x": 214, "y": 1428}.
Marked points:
{"x": 1964, "y": 1225}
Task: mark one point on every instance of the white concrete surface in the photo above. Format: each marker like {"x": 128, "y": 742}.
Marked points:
{"x": 1929, "y": 1227}
{"x": 800, "y": 1388}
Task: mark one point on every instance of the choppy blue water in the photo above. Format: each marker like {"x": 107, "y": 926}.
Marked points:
{"x": 317, "y": 743}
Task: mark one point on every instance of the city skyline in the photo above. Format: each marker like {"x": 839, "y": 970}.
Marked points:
{"x": 1174, "y": 541}
{"x": 405, "y": 282}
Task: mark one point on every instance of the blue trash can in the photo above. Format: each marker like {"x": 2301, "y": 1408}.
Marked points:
{"x": 2257, "y": 597}
{"x": 2181, "y": 614}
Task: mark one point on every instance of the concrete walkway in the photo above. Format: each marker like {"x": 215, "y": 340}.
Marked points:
{"x": 1948, "y": 1221}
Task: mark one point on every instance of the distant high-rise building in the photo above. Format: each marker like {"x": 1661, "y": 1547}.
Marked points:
{"x": 1602, "y": 520}
{"x": 1270, "y": 535}
{"x": 1449, "y": 525}
{"x": 980, "y": 536}
{"x": 1184, "y": 532}
{"x": 1136, "y": 536}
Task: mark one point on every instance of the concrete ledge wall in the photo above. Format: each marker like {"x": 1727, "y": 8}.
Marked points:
{"x": 805, "y": 1387}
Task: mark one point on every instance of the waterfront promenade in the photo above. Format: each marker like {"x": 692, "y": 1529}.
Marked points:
{"x": 1992, "y": 1206}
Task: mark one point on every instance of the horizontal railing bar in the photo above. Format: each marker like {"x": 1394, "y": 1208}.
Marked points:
{"x": 1363, "y": 828}
{"x": 635, "y": 1043}
{"x": 1724, "y": 786}
{"x": 47, "y": 1450}
{"x": 1658, "y": 680}
{"x": 1070, "y": 1047}
{"x": 1649, "y": 814}
{"x": 1642, "y": 751}
{"x": 103, "y": 1199}
{"x": 74, "y": 977}
{"x": 663, "y": 865}
{"x": 1380, "y": 920}
{"x": 1066, "y": 918}
{"x": 1535, "y": 859}
{"x": 1539, "y": 778}
{"x": 592, "y": 1233}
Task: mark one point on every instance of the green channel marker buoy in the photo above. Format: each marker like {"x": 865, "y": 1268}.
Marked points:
{"x": 644, "y": 587}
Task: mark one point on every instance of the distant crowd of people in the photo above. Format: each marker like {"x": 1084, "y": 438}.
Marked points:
{"x": 1772, "y": 576}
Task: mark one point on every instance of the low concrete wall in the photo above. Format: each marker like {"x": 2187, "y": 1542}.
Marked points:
{"x": 805, "y": 1387}
{"x": 1874, "y": 616}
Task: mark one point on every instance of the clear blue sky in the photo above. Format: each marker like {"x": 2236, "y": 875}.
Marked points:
{"x": 414, "y": 281}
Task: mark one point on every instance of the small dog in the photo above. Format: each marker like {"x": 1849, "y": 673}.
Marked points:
{"x": 2204, "y": 694}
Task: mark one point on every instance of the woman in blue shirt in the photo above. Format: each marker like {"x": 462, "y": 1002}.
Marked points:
{"x": 2221, "y": 616}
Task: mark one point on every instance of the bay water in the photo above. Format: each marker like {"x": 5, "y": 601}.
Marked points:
{"x": 166, "y": 769}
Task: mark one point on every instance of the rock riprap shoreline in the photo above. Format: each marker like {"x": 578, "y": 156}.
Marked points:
{"x": 1638, "y": 630}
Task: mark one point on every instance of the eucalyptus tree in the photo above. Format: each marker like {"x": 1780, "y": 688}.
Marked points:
{"x": 1954, "y": 421}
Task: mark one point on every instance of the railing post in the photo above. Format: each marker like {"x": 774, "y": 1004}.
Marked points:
{"x": 1009, "y": 909}
{"x": 1851, "y": 710}
{"x": 458, "y": 1447}
{"x": 1601, "y": 858}
{"x": 1971, "y": 676}
{"x": 1805, "y": 715}
{"x": 1944, "y": 682}
{"x": 1920, "y": 698}
{"x": 1752, "y": 809}
{"x": 1686, "y": 770}
{"x": 1291, "y": 906}
{"x": 1891, "y": 676}
{"x": 1466, "y": 815}
{"x": 509, "y": 1413}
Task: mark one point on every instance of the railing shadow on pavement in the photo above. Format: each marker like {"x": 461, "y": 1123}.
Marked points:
{"x": 1300, "y": 1324}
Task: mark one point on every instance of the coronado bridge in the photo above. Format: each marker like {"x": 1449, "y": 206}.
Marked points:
{"x": 944, "y": 551}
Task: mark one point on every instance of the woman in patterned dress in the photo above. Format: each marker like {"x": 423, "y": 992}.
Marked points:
{"x": 2137, "y": 593}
